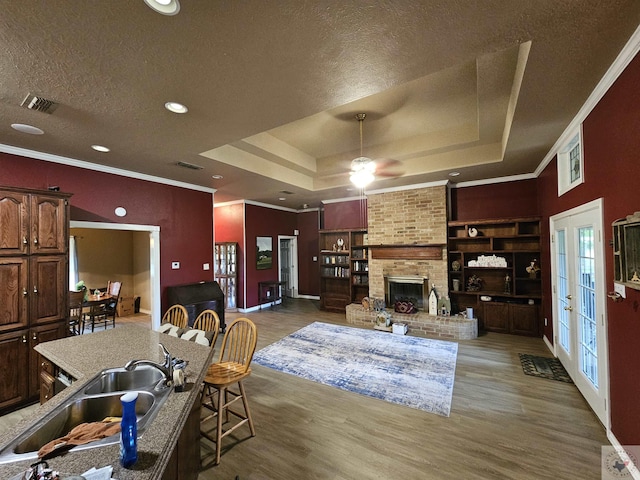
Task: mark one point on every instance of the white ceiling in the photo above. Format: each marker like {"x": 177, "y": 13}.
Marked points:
{"x": 273, "y": 87}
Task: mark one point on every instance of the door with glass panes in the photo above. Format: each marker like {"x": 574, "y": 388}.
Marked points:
{"x": 578, "y": 287}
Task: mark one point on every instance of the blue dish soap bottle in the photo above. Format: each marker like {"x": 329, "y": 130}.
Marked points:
{"x": 128, "y": 430}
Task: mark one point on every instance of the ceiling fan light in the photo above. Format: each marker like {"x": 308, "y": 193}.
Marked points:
{"x": 165, "y": 7}
{"x": 362, "y": 178}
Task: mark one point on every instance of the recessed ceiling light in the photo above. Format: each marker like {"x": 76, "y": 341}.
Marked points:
{"x": 176, "y": 107}
{"x": 217, "y": 177}
{"x": 100, "y": 148}
{"x": 282, "y": 199}
{"x": 165, "y": 7}
{"x": 120, "y": 211}
{"x": 454, "y": 174}
{"x": 24, "y": 128}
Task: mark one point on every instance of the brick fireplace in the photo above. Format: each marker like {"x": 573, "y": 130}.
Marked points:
{"x": 407, "y": 232}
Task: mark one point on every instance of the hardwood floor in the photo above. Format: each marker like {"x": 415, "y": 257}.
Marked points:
{"x": 503, "y": 424}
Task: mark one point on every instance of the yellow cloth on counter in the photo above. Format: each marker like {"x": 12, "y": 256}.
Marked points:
{"x": 79, "y": 435}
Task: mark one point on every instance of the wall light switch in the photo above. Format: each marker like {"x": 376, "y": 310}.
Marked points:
{"x": 205, "y": 266}
{"x": 315, "y": 259}
{"x": 175, "y": 265}
{"x": 621, "y": 289}
{"x": 296, "y": 232}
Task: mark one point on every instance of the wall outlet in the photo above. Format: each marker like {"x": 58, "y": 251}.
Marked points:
{"x": 546, "y": 322}
{"x": 175, "y": 265}
{"x": 205, "y": 266}
{"x": 620, "y": 289}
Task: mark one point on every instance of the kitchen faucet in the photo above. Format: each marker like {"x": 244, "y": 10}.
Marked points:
{"x": 166, "y": 367}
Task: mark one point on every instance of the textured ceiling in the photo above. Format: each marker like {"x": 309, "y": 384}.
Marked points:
{"x": 273, "y": 87}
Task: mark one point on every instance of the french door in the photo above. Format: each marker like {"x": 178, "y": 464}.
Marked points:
{"x": 578, "y": 287}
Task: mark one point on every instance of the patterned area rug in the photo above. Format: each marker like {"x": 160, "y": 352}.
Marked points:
{"x": 544, "y": 367}
{"x": 411, "y": 371}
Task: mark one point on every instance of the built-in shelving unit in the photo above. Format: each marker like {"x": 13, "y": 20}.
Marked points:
{"x": 344, "y": 268}
{"x": 494, "y": 267}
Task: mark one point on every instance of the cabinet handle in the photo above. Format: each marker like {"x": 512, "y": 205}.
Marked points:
{"x": 24, "y": 292}
{"x": 569, "y": 308}
{"x": 35, "y": 337}
{"x": 24, "y": 339}
{"x": 35, "y": 289}
{"x": 35, "y": 241}
{"x": 25, "y": 241}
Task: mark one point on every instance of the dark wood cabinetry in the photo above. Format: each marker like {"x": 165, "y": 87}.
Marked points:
{"x": 344, "y": 268}
{"x": 494, "y": 268}
{"x": 34, "y": 232}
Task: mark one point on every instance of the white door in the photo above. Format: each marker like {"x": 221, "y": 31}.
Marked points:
{"x": 578, "y": 283}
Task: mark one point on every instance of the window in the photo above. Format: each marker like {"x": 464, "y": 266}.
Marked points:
{"x": 571, "y": 163}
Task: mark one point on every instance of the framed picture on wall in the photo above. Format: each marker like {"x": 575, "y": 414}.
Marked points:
{"x": 264, "y": 253}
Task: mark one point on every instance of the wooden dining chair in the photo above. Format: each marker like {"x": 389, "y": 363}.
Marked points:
{"x": 102, "y": 313}
{"x": 176, "y": 315}
{"x": 75, "y": 311}
{"x": 233, "y": 366}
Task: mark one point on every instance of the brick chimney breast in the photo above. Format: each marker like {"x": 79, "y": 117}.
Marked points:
{"x": 408, "y": 217}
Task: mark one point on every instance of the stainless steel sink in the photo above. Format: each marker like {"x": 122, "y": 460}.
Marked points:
{"x": 119, "y": 379}
{"x": 100, "y": 398}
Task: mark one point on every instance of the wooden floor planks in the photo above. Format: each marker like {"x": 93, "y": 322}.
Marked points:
{"x": 503, "y": 424}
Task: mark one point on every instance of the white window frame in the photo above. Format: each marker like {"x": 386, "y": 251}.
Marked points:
{"x": 570, "y": 168}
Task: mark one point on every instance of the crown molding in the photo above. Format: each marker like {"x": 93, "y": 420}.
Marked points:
{"x": 73, "y": 162}
{"x": 626, "y": 55}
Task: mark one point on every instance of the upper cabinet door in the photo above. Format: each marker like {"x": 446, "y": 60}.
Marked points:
{"x": 48, "y": 224}
{"x": 14, "y": 223}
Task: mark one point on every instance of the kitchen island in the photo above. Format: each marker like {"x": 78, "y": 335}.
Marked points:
{"x": 158, "y": 445}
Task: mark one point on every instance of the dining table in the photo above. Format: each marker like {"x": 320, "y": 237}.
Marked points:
{"x": 94, "y": 302}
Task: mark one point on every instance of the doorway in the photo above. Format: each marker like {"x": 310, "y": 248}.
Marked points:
{"x": 578, "y": 294}
{"x": 153, "y": 284}
{"x": 288, "y": 265}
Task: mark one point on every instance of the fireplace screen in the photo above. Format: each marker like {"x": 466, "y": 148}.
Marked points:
{"x": 412, "y": 289}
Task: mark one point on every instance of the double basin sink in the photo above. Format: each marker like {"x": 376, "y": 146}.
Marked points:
{"x": 99, "y": 399}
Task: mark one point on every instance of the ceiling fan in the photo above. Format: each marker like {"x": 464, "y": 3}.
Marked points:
{"x": 364, "y": 169}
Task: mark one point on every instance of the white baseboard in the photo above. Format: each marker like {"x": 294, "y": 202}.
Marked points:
{"x": 549, "y": 345}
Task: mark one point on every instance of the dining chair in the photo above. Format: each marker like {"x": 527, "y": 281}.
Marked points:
{"x": 233, "y": 366}
{"x": 176, "y": 315}
{"x": 106, "y": 311}
{"x": 75, "y": 311}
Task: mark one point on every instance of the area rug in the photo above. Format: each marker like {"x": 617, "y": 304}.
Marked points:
{"x": 410, "y": 371}
{"x": 544, "y": 367}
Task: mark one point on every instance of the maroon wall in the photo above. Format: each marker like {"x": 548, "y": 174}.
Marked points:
{"x": 350, "y": 214}
{"x": 308, "y": 248}
{"x": 185, "y": 216}
{"x": 264, "y": 222}
{"x": 497, "y": 200}
{"x": 611, "y": 145}
{"x": 229, "y": 227}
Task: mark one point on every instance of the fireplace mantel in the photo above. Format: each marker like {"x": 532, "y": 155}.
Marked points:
{"x": 399, "y": 252}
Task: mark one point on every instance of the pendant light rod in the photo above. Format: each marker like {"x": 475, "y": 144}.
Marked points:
{"x": 360, "y": 117}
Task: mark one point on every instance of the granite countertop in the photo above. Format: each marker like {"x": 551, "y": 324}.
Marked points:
{"x": 85, "y": 355}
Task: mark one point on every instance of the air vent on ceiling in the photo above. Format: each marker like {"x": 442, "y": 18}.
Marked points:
{"x": 286, "y": 192}
{"x": 40, "y": 104}
{"x": 189, "y": 165}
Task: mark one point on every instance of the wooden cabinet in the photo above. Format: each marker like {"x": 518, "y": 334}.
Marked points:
{"x": 14, "y": 355}
{"x": 494, "y": 268}
{"x": 225, "y": 272}
{"x": 344, "y": 268}
{"x": 34, "y": 232}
